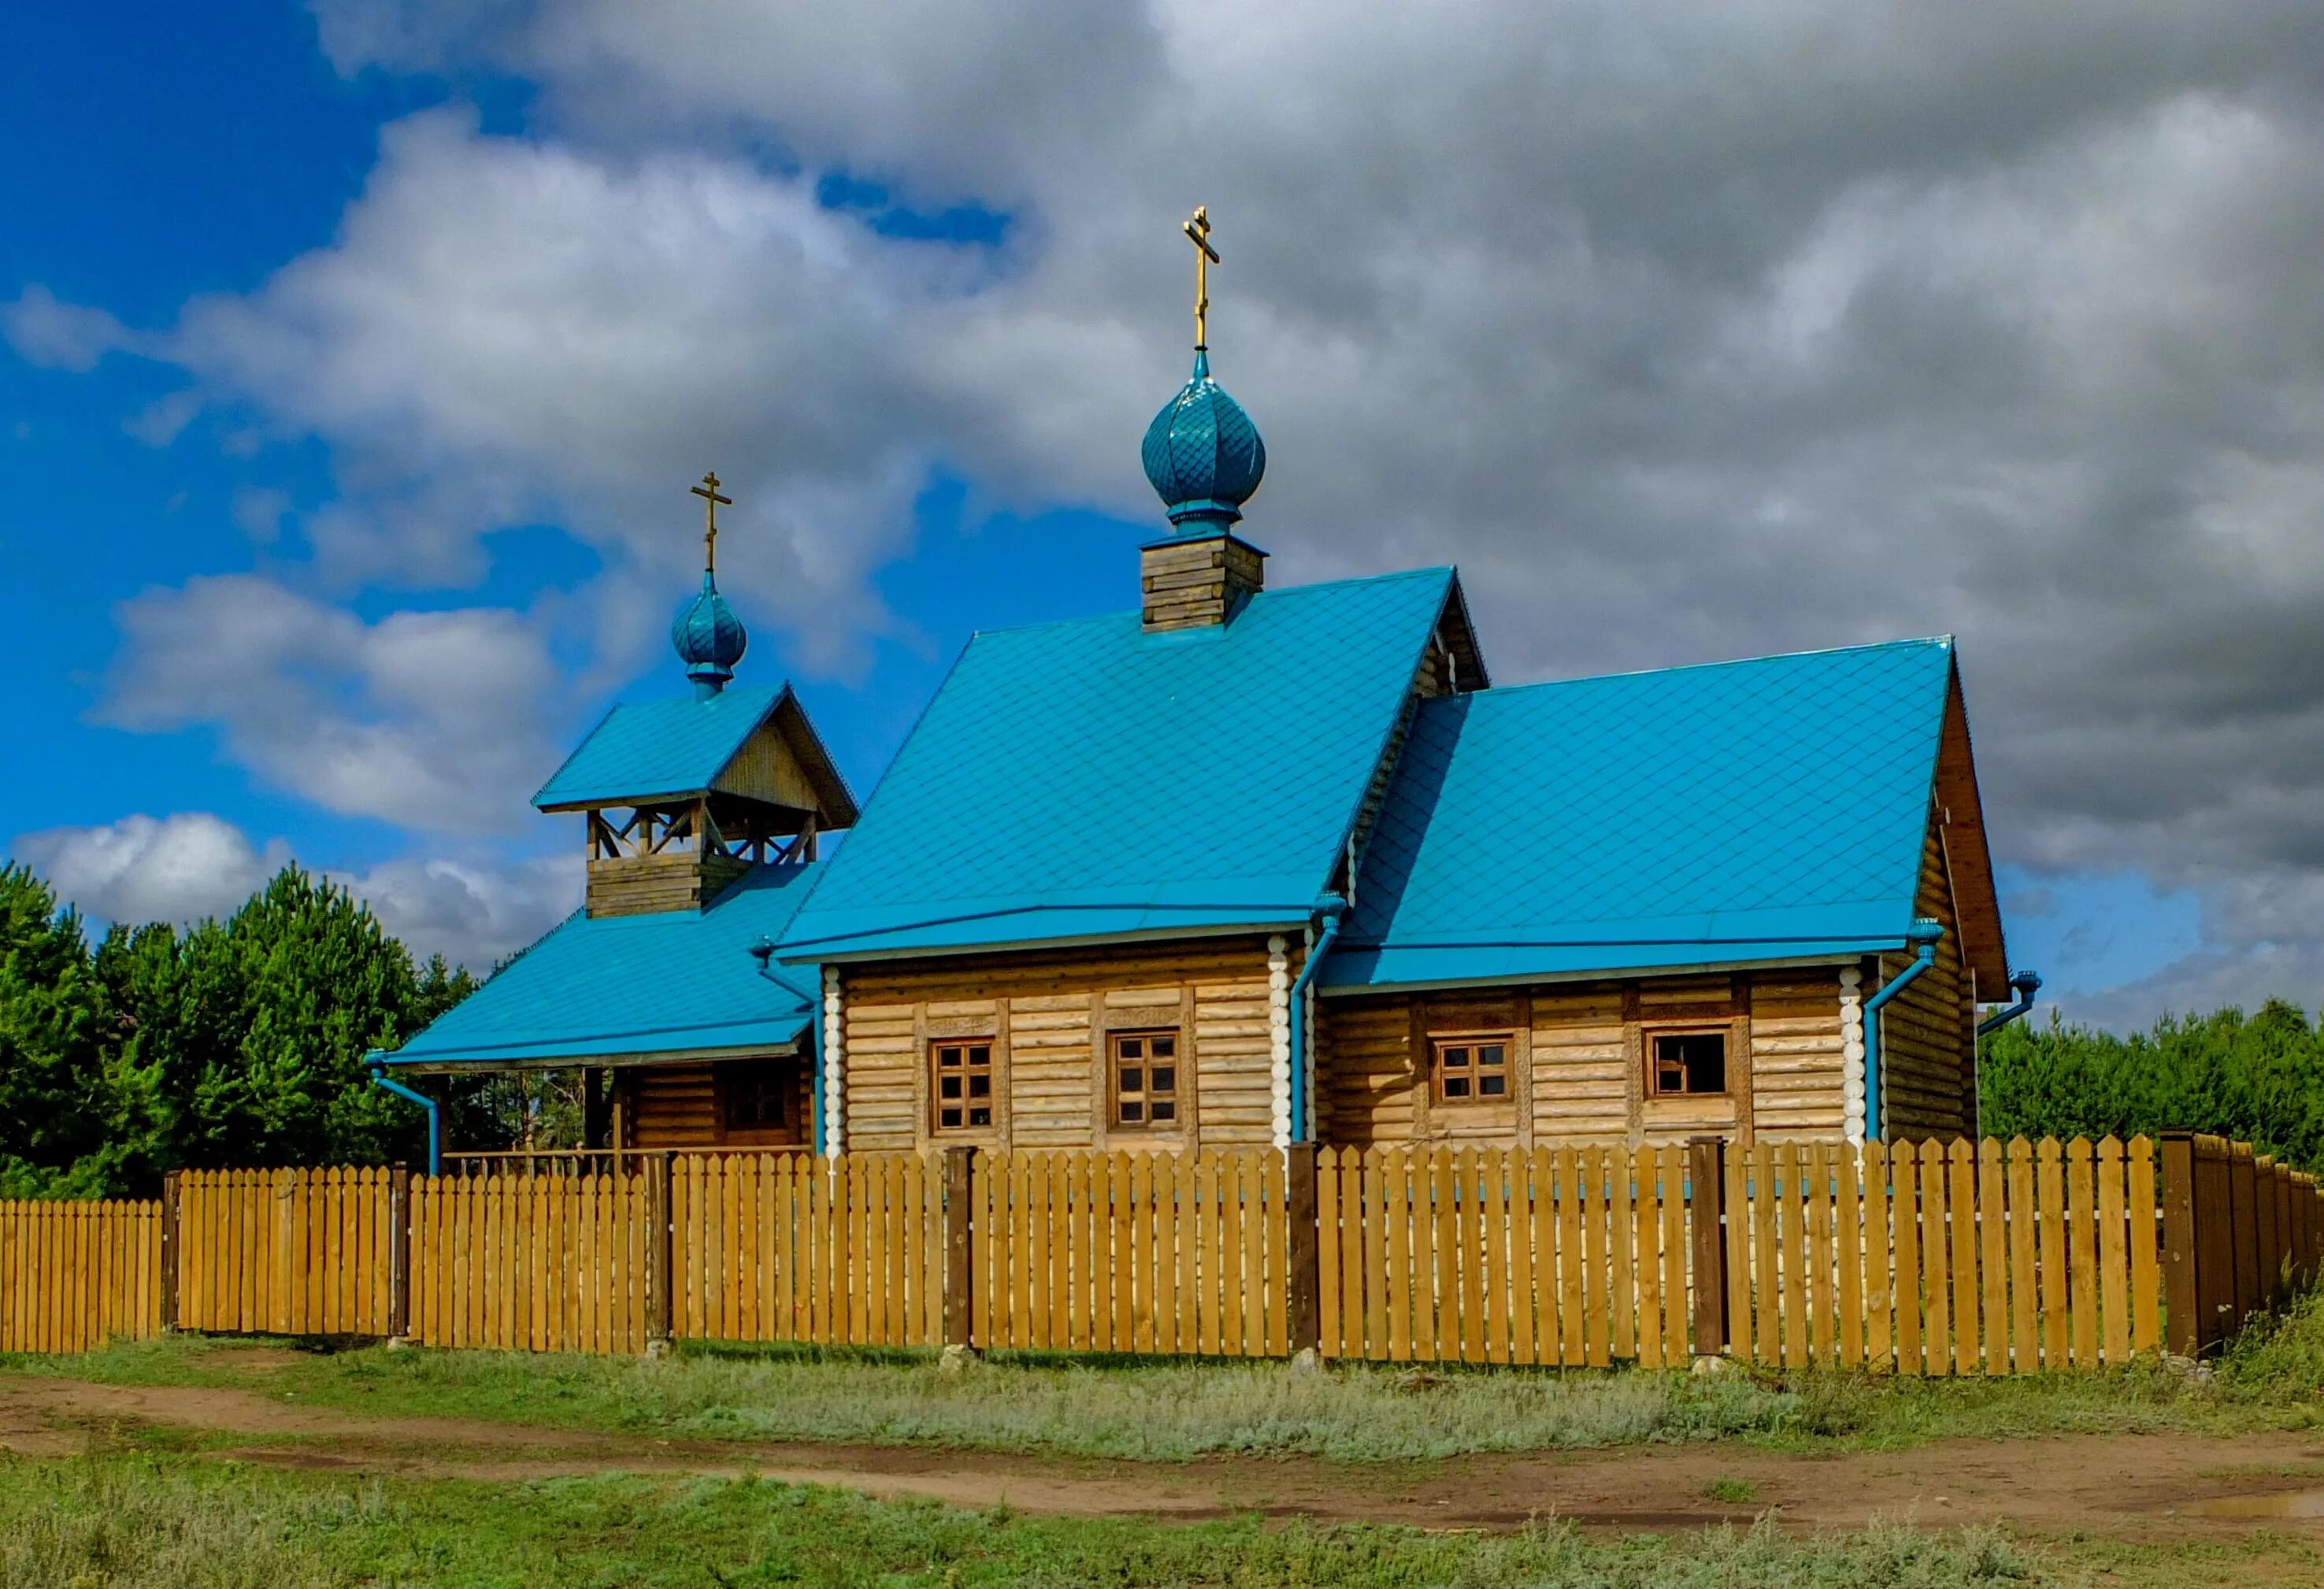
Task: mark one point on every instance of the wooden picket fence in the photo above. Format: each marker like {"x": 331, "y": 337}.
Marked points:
{"x": 531, "y": 1262}
{"x": 1573, "y": 1256}
{"x": 76, "y": 1275}
{"x": 1944, "y": 1258}
{"x": 1928, "y": 1259}
{"x": 284, "y": 1251}
{"x": 784, "y": 1247}
{"x": 1134, "y": 1252}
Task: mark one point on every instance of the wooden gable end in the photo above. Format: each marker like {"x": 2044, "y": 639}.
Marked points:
{"x": 1968, "y": 861}
{"x": 782, "y": 763}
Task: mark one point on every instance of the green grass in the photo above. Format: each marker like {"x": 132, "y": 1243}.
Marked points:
{"x": 148, "y": 1524}
{"x": 1175, "y": 1410}
{"x": 1179, "y": 1411}
{"x": 1732, "y": 1491}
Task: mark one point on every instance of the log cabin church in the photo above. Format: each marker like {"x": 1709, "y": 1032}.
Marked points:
{"x": 1250, "y": 866}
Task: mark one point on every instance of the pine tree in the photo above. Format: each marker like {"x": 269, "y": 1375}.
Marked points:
{"x": 51, "y": 1011}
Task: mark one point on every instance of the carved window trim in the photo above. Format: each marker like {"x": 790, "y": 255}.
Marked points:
{"x": 1459, "y": 1071}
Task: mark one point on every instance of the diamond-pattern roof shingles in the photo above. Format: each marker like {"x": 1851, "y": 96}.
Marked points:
{"x": 656, "y": 747}
{"x": 1086, "y": 778}
{"x": 1750, "y": 809}
{"x": 667, "y": 983}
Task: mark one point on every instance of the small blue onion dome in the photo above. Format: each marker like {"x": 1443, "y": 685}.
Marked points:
{"x": 1203, "y": 453}
{"x": 709, "y": 639}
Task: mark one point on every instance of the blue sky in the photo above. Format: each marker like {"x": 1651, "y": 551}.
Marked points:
{"x": 357, "y": 360}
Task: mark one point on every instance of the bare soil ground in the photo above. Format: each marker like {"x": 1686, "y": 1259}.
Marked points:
{"x": 2152, "y": 1488}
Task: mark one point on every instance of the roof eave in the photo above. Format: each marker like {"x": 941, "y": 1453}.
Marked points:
{"x": 1834, "y": 957}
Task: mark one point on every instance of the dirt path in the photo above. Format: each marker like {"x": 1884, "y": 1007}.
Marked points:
{"x": 2136, "y": 1486}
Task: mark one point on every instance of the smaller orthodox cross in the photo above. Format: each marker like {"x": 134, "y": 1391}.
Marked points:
{"x": 711, "y": 502}
{"x": 1198, "y": 231}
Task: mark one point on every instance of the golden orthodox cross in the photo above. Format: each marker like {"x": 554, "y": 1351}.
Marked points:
{"x": 1198, "y": 232}
{"x": 708, "y": 492}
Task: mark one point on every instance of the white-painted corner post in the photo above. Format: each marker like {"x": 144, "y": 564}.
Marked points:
{"x": 1852, "y": 1049}
{"x": 834, "y": 1060}
{"x": 1307, "y": 1035}
{"x": 1278, "y": 1036}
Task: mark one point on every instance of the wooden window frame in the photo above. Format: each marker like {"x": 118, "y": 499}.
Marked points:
{"x": 992, "y": 1070}
{"x": 1723, "y": 1030}
{"x": 1438, "y": 1041}
{"x": 1179, "y": 1091}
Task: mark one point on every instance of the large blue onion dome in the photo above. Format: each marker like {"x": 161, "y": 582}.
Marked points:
{"x": 709, "y": 639}
{"x": 1203, "y": 453}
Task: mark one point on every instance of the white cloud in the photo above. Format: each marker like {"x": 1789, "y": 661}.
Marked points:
{"x": 191, "y": 865}
{"x": 165, "y": 419}
{"x": 430, "y": 719}
{"x": 60, "y": 335}
{"x": 175, "y": 868}
{"x": 475, "y": 914}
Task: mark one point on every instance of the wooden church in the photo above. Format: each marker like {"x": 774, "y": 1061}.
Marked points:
{"x": 1242, "y": 866}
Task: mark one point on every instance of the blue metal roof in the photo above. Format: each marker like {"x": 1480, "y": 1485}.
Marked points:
{"x": 630, "y": 987}
{"x": 653, "y": 749}
{"x": 1770, "y": 809}
{"x": 1088, "y": 779}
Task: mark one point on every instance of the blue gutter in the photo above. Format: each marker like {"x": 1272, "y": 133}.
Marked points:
{"x": 763, "y": 952}
{"x": 377, "y": 1059}
{"x": 1925, "y": 933}
{"x": 2027, "y": 984}
{"x": 1330, "y": 907}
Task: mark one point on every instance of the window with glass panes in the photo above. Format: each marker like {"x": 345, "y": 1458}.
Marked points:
{"x": 962, "y": 1072}
{"x": 1473, "y": 1070}
{"x": 1146, "y": 1081}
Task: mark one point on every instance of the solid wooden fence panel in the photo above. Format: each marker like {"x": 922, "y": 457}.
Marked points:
{"x": 521, "y": 1262}
{"x": 772, "y": 1247}
{"x": 1143, "y": 1253}
{"x": 74, "y": 1275}
{"x": 285, "y": 1252}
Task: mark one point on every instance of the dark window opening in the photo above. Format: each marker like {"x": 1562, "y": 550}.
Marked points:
{"x": 1682, "y": 1064}
{"x": 753, "y": 1096}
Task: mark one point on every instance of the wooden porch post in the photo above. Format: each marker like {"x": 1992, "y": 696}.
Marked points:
{"x": 1706, "y": 1179}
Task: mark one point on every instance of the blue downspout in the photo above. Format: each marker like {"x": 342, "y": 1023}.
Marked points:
{"x": 1330, "y": 907}
{"x": 1925, "y": 933}
{"x": 380, "y": 1078}
{"x": 763, "y": 952}
{"x": 2027, "y": 984}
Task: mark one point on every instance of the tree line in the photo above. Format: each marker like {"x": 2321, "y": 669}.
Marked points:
{"x": 233, "y": 1042}
{"x": 2258, "y": 1079}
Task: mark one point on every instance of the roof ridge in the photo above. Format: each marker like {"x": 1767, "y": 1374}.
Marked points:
{"x": 1117, "y": 614}
{"x": 1947, "y": 641}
